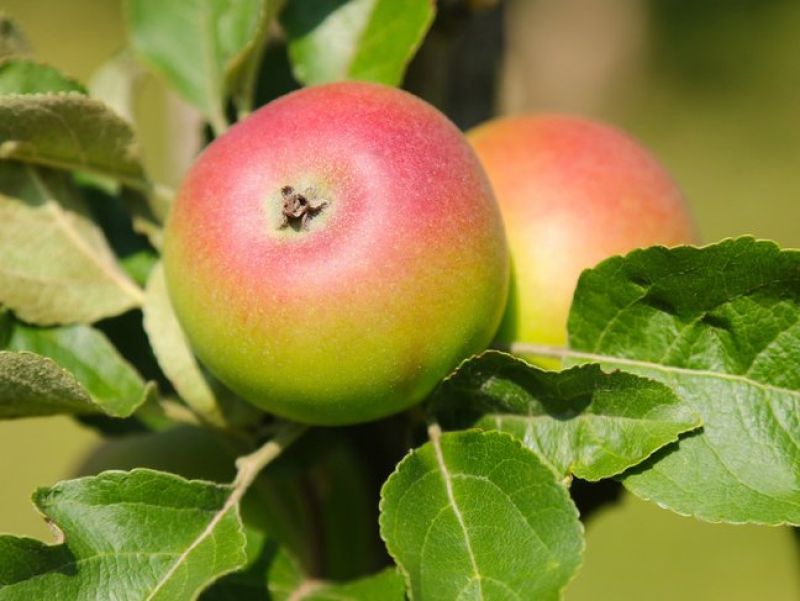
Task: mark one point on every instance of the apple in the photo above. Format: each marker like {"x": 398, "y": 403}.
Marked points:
{"x": 572, "y": 192}
{"x": 337, "y": 253}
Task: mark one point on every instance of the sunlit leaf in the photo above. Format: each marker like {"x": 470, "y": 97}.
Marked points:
{"x": 372, "y": 40}
{"x": 109, "y": 384}
{"x": 201, "y": 47}
{"x": 174, "y": 354}
{"x": 55, "y": 264}
{"x": 582, "y": 421}
{"x": 26, "y": 76}
{"x": 720, "y": 325}
{"x": 69, "y": 131}
{"x": 476, "y": 515}
{"x": 126, "y": 535}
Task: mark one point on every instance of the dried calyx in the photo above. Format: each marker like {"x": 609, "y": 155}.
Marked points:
{"x": 298, "y": 207}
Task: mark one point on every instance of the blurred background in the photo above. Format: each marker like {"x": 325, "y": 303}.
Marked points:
{"x": 712, "y": 88}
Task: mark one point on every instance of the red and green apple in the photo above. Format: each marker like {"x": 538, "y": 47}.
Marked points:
{"x": 337, "y": 253}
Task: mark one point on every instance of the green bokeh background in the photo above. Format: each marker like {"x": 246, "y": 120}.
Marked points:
{"x": 713, "y": 88}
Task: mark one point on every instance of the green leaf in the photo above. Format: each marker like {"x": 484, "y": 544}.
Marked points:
{"x": 31, "y": 385}
{"x": 372, "y": 40}
{"x": 126, "y": 535}
{"x": 198, "y": 45}
{"x": 108, "y": 381}
{"x": 287, "y": 582}
{"x": 582, "y": 421}
{"x": 720, "y": 325}
{"x": 242, "y": 75}
{"x": 476, "y": 515}
{"x": 26, "y": 76}
{"x": 300, "y": 500}
{"x": 6, "y": 327}
{"x": 138, "y": 265}
{"x": 12, "y": 40}
{"x": 71, "y": 144}
{"x": 69, "y": 131}
{"x": 174, "y": 354}
{"x": 55, "y": 264}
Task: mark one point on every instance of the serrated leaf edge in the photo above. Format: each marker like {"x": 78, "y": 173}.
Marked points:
{"x": 133, "y": 150}
{"x": 231, "y": 502}
{"x": 415, "y": 451}
{"x": 19, "y": 58}
{"x": 690, "y": 427}
{"x": 149, "y": 387}
{"x": 412, "y": 49}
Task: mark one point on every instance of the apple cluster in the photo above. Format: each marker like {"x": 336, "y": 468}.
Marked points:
{"x": 335, "y": 255}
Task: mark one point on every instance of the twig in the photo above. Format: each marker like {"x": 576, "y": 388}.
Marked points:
{"x": 249, "y": 466}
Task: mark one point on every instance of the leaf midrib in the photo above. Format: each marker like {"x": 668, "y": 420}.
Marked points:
{"x": 435, "y": 438}
{"x": 54, "y": 208}
{"x": 231, "y": 503}
{"x": 673, "y": 369}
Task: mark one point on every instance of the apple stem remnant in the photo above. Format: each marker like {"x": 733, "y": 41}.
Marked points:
{"x": 297, "y": 206}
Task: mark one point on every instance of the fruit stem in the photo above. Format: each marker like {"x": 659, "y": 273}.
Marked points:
{"x": 249, "y": 466}
{"x": 177, "y": 412}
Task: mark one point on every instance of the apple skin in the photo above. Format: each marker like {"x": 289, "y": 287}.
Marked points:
{"x": 572, "y": 192}
{"x": 400, "y": 276}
